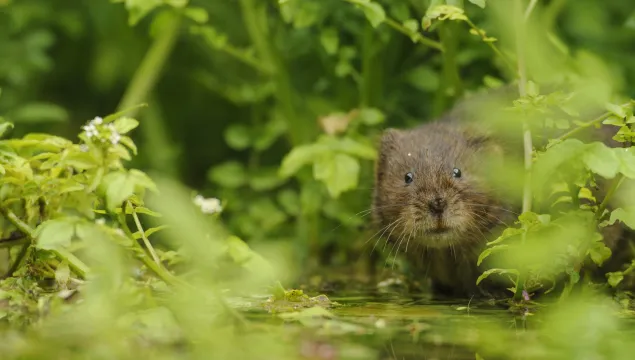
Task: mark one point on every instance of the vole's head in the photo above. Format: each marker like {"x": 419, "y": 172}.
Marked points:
{"x": 430, "y": 186}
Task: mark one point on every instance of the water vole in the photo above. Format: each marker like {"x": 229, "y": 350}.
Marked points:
{"x": 435, "y": 203}
{"x": 432, "y": 202}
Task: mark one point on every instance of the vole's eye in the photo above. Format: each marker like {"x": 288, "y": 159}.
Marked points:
{"x": 408, "y": 178}
{"x": 456, "y": 173}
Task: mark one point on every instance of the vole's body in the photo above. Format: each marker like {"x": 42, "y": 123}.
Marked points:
{"x": 439, "y": 220}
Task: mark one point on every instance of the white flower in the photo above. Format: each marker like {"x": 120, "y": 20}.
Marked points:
{"x": 208, "y": 206}
{"x": 114, "y": 138}
{"x": 97, "y": 120}
{"x": 83, "y": 148}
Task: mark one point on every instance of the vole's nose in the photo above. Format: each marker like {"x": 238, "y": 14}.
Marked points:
{"x": 437, "y": 205}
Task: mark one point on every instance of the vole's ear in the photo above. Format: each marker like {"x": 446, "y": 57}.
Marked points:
{"x": 389, "y": 138}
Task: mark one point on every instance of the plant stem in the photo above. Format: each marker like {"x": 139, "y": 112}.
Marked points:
{"x": 527, "y": 141}
{"x": 494, "y": 48}
{"x": 151, "y": 66}
{"x": 14, "y": 242}
{"x": 609, "y": 194}
{"x": 74, "y": 263}
{"x": 18, "y": 260}
{"x": 254, "y": 14}
{"x": 530, "y": 8}
{"x": 418, "y": 38}
{"x": 143, "y": 235}
{"x": 161, "y": 272}
{"x": 587, "y": 124}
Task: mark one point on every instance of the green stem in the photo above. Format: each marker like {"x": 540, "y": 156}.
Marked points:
{"x": 416, "y": 37}
{"x": 255, "y": 20}
{"x": 151, "y": 66}
{"x": 143, "y": 236}
{"x": 527, "y": 141}
{"x": 587, "y": 124}
{"x": 14, "y": 242}
{"x": 494, "y": 48}
{"x": 451, "y": 84}
{"x": 74, "y": 263}
{"x": 18, "y": 260}
{"x": 162, "y": 273}
{"x": 609, "y": 194}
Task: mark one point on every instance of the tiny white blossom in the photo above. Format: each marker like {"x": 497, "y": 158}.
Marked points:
{"x": 208, "y": 206}
{"x": 97, "y": 120}
{"x": 100, "y": 221}
{"x": 83, "y": 148}
{"x": 114, "y": 139}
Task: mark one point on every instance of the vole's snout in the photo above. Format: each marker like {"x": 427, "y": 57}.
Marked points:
{"x": 437, "y": 205}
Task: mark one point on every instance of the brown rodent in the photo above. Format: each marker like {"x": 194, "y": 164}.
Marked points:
{"x": 433, "y": 202}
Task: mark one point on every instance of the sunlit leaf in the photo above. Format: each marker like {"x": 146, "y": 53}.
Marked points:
{"x": 54, "y": 234}
{"x": 339, "y": 172}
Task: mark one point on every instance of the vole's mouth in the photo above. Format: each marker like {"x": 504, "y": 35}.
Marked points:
{"x": 439, "y": 230}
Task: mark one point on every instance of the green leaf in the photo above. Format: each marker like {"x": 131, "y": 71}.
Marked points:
{"x": 5, "y": 127}
{"x": 487, "y": 252}
{"x": 625, "y": 215}
{"x": 423, "y": 78}
{"x": 54, "y": 234}
{"x": 616, "y": 110}
{"x": 118, "y": 188}
{"x": 489, "y": 272}
{"x": 300, "y": 156}
{"x": 627, "y": 162}
{"x": 330, "y": 40}
{"x": 127, "y": 141}
{"x": 197, "y": 14}
{"x": 124, "y": 124}
{"x": 339, "y": 172}
{"x": 237, "y": 136}
{"x": 230, "y": 174}
{"x": 80, "y": 160}
{"x": 371, "y": 116}
{"x": 374, "y": 12}
{"x": 614, "y": 278}
{"x": 143, "y": 180}
{"x": 599, "y": 253}
{"x": 290, "y": 201}
{"x": 265, "y": 179}
{"x": 613, "y": 120}
{"x": 272, "y": 130}
{"x": 479, "y": 3}
{"x": 602, "y": 160}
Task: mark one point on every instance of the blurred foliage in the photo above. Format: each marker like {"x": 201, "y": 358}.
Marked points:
{"x": 271, "y": 110}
